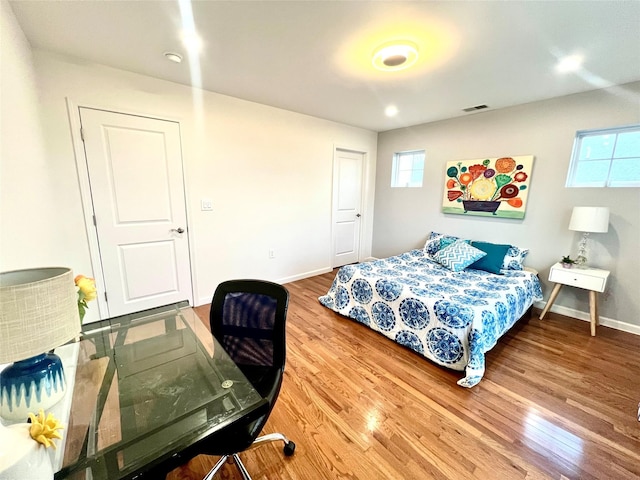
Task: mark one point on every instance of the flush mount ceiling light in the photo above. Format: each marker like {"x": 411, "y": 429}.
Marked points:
{"x": 391, "y": 111}
{"x": 174, "y": 57}
{"x": 569, "y": 63}
{"x": 395, "y": 56}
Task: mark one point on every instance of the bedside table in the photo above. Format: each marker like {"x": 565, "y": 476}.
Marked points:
{"x": 592, "y": 279}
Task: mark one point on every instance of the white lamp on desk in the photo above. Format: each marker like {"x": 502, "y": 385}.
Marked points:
{"x": 38, "y": 312}
{"x": 588, "y": 220}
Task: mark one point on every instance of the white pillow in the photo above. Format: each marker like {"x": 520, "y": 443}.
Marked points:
{"x": 514, "y": 258}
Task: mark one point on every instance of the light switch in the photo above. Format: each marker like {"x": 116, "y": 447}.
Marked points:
{"x": 206, "y": 205}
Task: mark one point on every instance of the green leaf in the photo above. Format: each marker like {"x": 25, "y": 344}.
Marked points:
{"x": 502, "y": 180}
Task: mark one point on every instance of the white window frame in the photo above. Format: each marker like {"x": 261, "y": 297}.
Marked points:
{"x": 395, "y": 169}
{"x": 575, "y": 157}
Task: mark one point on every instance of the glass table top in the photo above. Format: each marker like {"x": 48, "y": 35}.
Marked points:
{"x": 146, "y": 386}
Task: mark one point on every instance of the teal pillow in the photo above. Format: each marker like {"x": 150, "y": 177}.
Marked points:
{"x": 494, "y": 258}
{"x": 446, "y": 241}
{"x": 458, "y": 256}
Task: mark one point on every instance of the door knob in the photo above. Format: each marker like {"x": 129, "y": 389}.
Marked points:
{"x": 178, "y": 230}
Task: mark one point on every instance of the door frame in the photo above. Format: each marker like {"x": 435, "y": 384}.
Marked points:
{"x": 91, "y": 231}
{"x": 363, "y": 190}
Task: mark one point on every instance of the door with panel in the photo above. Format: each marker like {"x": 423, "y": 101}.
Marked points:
{"x": 347, "y": 206}
{"x": 137, "y": 192}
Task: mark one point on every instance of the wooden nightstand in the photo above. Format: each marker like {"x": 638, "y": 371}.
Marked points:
{"x": 592, "y": 279}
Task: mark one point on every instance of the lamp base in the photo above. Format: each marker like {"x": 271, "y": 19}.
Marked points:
{"x": 30, "y": 385}
{"x": 581, "y": 261}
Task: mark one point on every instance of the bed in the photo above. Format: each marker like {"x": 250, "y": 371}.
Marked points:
{"x": 450, "y": 317}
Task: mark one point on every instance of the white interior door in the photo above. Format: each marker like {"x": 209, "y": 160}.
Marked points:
{"x": 137, "y": 190}
{"x": 347, "y": 203}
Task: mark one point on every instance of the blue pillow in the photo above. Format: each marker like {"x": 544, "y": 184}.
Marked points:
{"x": 494, "y": 258}
{"x": 514, "y": 258}
{"x": 437, "y": 241}
{"x": 458, "y": 256}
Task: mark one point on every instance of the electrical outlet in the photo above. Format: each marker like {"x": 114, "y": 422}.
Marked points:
{"x": 272, "y": 253}
{"x": 206, "y": 205}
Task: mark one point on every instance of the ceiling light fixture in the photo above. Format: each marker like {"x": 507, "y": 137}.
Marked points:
{"x": 391, "y": 111}
{"x": 569, "y": 63}
{"x": 395, "y": 56}
{"x": 174, "y": 57}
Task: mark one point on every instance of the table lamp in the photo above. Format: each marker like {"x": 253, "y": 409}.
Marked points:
{"x": 38, "y": 312}
{"x": 588, "y": 220}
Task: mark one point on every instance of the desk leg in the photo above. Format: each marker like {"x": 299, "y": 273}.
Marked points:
{"x": 593, "y": 309}
{"x": 552, "y": 298}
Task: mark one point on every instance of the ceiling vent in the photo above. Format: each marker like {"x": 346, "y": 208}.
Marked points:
{"x": 473, "y": 109}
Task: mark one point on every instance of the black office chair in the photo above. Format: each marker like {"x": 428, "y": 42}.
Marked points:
{"x": 248, "y": 319}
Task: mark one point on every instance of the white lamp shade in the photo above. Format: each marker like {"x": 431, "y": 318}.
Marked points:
{"x": 590, "y": 219}
{"x": 38, "y": 311}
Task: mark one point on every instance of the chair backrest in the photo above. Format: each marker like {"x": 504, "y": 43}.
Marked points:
{"x": 248, "y": 319}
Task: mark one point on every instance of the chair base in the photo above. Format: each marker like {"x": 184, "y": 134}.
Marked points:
{"x": 289, "y": 448}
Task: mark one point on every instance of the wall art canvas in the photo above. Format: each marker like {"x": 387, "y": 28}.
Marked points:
{"x": 489, "y": 187}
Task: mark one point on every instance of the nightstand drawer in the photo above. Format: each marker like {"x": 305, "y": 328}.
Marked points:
{"x": 577, "y": 278}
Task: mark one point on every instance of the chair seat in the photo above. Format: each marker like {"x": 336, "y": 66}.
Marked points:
{"x": 266, "y": 380}
{"x": 233, "y": 439}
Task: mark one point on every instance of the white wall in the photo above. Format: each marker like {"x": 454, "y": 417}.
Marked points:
{"x": 23, "y": 161}
{"x": 404, "y": 217}
{"x": 268, "y": 172}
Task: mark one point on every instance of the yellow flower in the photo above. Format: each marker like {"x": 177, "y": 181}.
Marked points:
{"x": 87, "y": 288}
{"x": 86, "y": 292}
{"x": 44, "y": 430}
{"x": 482, "y": 189}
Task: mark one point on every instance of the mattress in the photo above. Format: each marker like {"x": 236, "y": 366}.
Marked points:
{"x": 451, "y": 318}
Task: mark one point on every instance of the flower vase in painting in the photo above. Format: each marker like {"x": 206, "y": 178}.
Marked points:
{"x": 493, "y": 187}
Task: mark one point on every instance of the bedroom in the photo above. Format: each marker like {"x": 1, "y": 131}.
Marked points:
{"x": 235, "y": 240}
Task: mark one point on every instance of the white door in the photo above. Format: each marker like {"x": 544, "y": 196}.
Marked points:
{"x": 137, "y": 190}
{"x": 347, "y": 202}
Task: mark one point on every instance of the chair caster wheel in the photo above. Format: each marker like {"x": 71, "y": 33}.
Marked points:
{"x": 289, "y": 448}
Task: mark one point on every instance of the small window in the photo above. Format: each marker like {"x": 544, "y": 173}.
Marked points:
{"x": 606, "y": 158}
{"x": 408, "y": 169}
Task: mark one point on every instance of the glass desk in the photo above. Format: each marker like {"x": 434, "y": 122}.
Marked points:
{"x": 147, "y": 386}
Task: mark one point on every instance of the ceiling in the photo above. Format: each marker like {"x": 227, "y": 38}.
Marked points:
{"x": 314, "y": 57}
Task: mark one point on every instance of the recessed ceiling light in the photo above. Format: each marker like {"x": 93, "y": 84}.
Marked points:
{"x": 569, "y": 63}
{"x": 391, "y": 111}
{"x": 395, "y": 56}
{"x": 174, "y": 57}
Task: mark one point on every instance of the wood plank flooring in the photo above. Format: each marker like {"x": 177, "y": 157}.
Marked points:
{"x": 554, "y": 403}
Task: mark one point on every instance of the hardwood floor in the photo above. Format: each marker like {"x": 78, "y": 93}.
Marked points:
{"x": 554, "y": 403}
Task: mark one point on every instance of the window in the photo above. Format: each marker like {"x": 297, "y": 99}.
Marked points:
{"x": 408, "y": 169}
{"x": 606, "y": 158}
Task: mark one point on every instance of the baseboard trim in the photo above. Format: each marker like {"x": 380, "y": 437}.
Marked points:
{"x": 585, "y": 316}
{"x": 292, "y": 278}
{"x": 304, "y": 275}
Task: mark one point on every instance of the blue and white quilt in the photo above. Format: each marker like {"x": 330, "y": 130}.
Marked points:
{"x": 452, "y": 318}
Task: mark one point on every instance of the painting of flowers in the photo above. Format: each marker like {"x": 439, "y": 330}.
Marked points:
{"x": 491, "y": 187}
